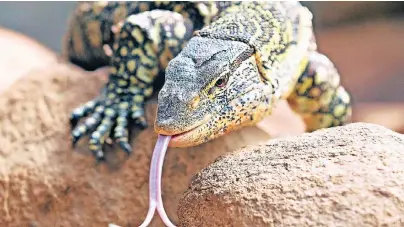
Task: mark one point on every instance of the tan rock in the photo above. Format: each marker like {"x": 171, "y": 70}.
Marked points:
{"x": 344, "y": 176}
{"x": 43, "y": 182}
{"x": 19, "y": 55}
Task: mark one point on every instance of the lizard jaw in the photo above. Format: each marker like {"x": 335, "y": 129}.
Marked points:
{"x": 214, "y": 126}
{"x": 184, "y": 138}
{"x": 180, "y": 140}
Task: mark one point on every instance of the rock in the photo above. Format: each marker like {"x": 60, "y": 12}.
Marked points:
{"x": 345, "y": 176}
{"x": 19, "y": 55}
{"x": 44, "y": 182}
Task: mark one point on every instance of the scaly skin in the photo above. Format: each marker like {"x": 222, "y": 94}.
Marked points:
{"x": 142, "y": 38}
{"x": 229, "y": 74}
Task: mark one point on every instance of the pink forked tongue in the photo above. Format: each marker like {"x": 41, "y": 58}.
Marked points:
{"x": 156, "y": 167}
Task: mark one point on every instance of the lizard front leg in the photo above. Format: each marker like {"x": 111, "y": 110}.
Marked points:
{"x": 144, "y": 45}
{"x": 318, "y": 96}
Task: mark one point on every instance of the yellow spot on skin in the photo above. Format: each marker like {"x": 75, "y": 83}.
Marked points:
{"x": 111, "y": 96}
{"x": 96, "y": 135}
{"x": 123, "y": 105}
{"x": 122, "y": 83}
{"x": 123, "y": 35}
{"x": 149, "y": 49}
{"x": 336, "y": 122}
{"x": 134, "y": 89}
{"x": 121, "y": 70}
{"x": 119, "y": 128}
{"x": 138, "y": 35}
{"x": 327, "y": 96}
{"x": 131, "y": 65}
{"x": 115, "y": 46}
{"x": 315, "y": 92}
{"x": 195, "y": 102}
{"x": 178, "y": 8}
{"x": 143, "y": 74}
{"x": 180, "y": 30}
{"x": 111, "y": 86}
{"x": 114, "y": 70}
{"x": 93, "y": 147}
{"x": 146, "y": 61}
{"x": 82, "y": 128}
{"x": 138, "y": 98}
{"x": 307, "y": 105}
{"x": 148, "y": 91}
{"x": 307, "y": 83}
{"x": 327, "y": 120}
{"x": 109, "y": 112}
{"x": 339, "y": 110}
{"x": 154, "y": 34}
{"x": 120, "y": 120}
{"x": 134, "y": 80}
{"x": 136, "y": 52}
{"x": 124, "y": 51}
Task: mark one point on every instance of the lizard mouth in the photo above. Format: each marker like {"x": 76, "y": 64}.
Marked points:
{"x": 183, "y": 139}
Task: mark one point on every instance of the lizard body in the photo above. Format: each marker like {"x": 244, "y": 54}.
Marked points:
{"x": 225, "y": 64}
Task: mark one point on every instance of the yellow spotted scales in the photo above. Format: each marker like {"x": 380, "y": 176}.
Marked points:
{"x": 223, "y": 65}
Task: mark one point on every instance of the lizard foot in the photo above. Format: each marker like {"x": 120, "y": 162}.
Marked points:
{"x": 105, "y": 118}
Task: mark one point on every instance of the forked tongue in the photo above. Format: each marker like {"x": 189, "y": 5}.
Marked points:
{"x": 156, "y": 168}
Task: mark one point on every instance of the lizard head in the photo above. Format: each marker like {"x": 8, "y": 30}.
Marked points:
{"x": 211, "y": 87}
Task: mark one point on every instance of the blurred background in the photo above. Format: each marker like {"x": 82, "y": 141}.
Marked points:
{"x": 364, "y": 39}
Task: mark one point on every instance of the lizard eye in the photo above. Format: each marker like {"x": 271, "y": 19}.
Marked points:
{"x": 221, "y": 82}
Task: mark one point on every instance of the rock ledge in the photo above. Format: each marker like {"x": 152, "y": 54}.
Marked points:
{"x": 345, "y": 176}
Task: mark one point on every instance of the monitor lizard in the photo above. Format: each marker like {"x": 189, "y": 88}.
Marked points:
{"x": 224, "y": 65}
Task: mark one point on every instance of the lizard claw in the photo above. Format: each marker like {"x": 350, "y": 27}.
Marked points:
{"x": 141, "y": 121}
{"x": 99, "y": 156}
{"x": 125, "y": 146}
{"x": 107, "y": 119}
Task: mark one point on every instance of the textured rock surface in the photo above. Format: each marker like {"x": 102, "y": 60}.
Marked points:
{"x": 44, "y": 182}
{"x": 345, "y": 176}
{"x": 19, "y": 55}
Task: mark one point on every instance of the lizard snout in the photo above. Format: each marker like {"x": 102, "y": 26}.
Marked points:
{"x": 176, "y": 115}
{"x": 164, "y": 127}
